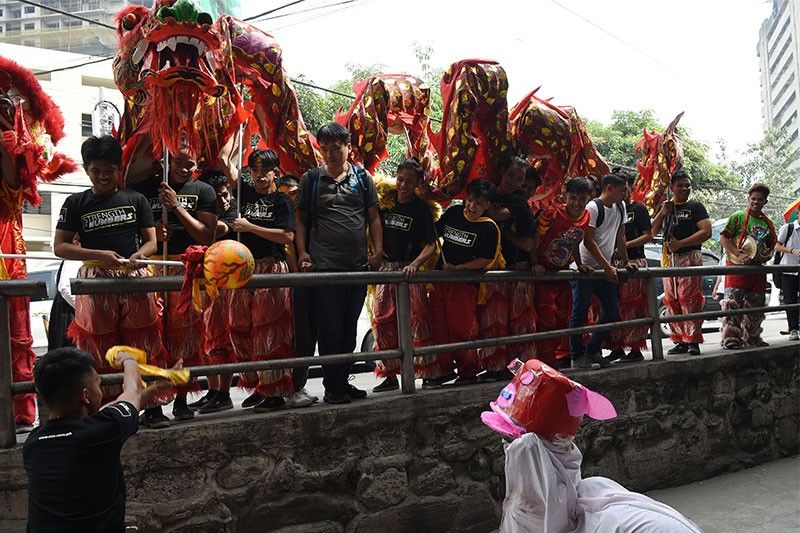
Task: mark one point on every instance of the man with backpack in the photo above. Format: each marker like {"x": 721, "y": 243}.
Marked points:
{"x": 604, "y": 234}
{"x": 337, "y": 204}
{"x": 787, "y": 252}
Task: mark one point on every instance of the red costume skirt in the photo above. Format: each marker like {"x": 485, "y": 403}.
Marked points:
{"x": 632, "y": 305}
{"x": 521, "y": 319}
{"x": 262, "y": 329}
{"x": 217, "y": 345}
{"x": 453, "y": 313}
{"x": 683, "y": 295}
{"x": 106, "y": 320}
{"x": 493, "y": 322}
{"x": 384, "y": 323}
{"x": 553, "y": 303}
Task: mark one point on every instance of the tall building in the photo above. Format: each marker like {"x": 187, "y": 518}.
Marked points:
{"x": 29, "y": 25}
{"x": 779, "y": 63}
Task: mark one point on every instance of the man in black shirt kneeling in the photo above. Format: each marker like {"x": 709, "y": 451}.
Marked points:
{"x": 75, "y": 480}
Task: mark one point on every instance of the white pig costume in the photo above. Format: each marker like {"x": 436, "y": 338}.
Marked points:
{"x": 541, "y": 410}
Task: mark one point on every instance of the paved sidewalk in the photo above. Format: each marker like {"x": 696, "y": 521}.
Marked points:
{"x": 763, "y": 499}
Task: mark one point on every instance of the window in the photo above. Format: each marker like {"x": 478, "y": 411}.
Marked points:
{"x": 52, "y": 25}
{"x": 1, "y": 12}
{"x": 92, "y": 5}
{"x": 29, "y": 10}
{"x": 16, "y": 13}
{"x": 72, "y": 23}
{"x": 1, "y": 28}
{"x": 30, "y": 26}
{"x": 86, "y": 124}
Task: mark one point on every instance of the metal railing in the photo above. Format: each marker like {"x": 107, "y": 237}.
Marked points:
{"x": 406, "y": 350}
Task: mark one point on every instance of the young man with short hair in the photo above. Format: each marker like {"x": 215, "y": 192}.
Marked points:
{"x": 113, "y": 224}
{"x": 75, "y": 479}
{"x": 217, "y": 347}
{"x": 470, "y": 241}
{"x": 604, "y": 234}
{"x": 191, "y": 219}
{"x": 748, "y": 239}
{"x": 686, "y": 227}
{"x": 408, "y": 242}
{"x": 632, "y": 292}
{"x": 338, "y": 204}
{"x": 265, "y": 331}
{"x": 556, "y": 245}
{"x": 509, "y": 306}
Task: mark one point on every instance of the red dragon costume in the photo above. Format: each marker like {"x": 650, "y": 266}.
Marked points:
{"x": 191, "y": 82}
{"x": 31, "y": 124}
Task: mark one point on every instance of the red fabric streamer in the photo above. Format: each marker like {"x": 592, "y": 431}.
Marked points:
{"x": 192, "y": 260}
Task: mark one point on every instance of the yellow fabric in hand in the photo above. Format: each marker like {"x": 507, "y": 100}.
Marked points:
{"x": 176, "y": 377}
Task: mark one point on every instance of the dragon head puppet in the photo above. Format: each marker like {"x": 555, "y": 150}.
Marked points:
{"x": 30, "y": 125}
{"x": 190, "y": 82}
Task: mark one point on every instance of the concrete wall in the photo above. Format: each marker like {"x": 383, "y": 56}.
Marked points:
{"x": 425, "y": 463}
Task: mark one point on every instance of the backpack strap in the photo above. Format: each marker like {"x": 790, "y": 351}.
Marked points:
{"x": 601, "y": 213}
{"x": 779, "y": 255}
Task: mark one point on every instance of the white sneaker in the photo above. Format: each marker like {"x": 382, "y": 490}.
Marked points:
{"x": 299, "y": 399}
{"x": 794, "y": 335}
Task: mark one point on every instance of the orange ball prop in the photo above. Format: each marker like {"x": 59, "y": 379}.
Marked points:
{"x": 228, "y": 264}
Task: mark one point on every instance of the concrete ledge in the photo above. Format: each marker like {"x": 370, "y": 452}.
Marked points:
{"x": 426, "y": 463}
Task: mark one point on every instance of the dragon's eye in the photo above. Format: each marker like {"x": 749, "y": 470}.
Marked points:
{"x": 129, "y": 21}
{"x": 204, "y": 18}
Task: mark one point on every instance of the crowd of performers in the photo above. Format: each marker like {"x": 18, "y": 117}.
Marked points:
{"x": 333, "y": 219}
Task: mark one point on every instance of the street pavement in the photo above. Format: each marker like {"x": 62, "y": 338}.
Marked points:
{"x": 765, "y": 499}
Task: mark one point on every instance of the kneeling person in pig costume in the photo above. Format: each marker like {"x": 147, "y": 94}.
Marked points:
{"x": 541, "y": 410}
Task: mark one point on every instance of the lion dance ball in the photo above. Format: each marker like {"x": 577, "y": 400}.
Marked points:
{"x": 228, "y": 264}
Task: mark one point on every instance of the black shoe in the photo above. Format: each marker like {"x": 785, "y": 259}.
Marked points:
{"x": 272, "y": 403}
{"x": 615, "y": 355}
{"x": 597, "y": 357}
{"x": 693, "y": 348}
{"x": 388, "y": 384}
{"x": 252, "y": 400}
{"x": 681, "y": 347}
{"x": 465, "y": 380}
{"x": 219, "y": 402}
{"x": 435, "y": 383}
{"x": 336, "y": 397}
{"x": 23, "y": 427}
{"x": 195, "y": 406}
{"x": 154, "y": 418}
{"x": 634, "y": 356}
{"x": 354, "y": 393}
{"x": 181, "y": 411}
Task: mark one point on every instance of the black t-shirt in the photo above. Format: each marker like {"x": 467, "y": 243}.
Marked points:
{"x": 272, "y": 210}
{"x": 637, "y": 223}
{"x": 228, "y": 218}
{"x": 108, "y": 222}
{"x": 75, "y": 480}
{"x": 193, "y": 196}
{"x": 682, "y": 222}
{"x": 465, "y": 240}
{"x": 521, "y": 223}
{"x": 407, "y": 228}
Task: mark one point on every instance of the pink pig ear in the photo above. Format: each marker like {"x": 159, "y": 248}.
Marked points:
{"x": 582, "y": 401}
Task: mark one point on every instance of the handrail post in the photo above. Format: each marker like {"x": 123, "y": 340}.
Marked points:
{"x": 406, "y": 341}
{"x": 656, "y": 346}
{"x": 8, "y": 435}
